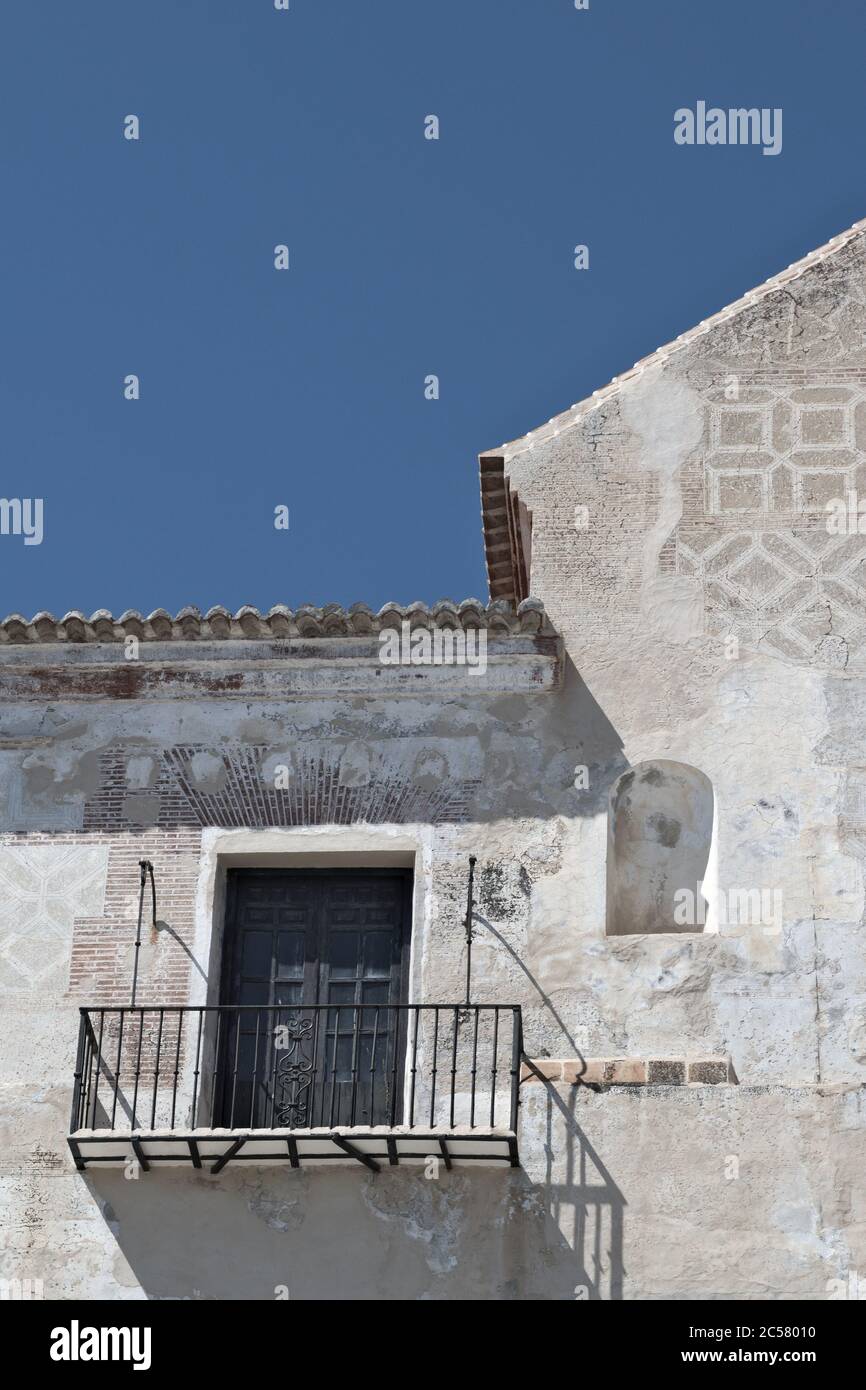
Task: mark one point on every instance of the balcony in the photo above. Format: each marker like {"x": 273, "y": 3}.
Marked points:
{"x": 377, "y": 1085}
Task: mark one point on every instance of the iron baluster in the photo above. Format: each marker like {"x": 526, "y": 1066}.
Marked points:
{"x": 156, "y": 1069}
{"x": 117, "y": 1067}
{"x": 197, "y": 1072}
{"x": 180, "y": 1016}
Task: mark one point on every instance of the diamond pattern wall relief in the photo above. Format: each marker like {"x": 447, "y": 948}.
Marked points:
{"x": 43, "y": 888}
{"x": 758, "y": 539}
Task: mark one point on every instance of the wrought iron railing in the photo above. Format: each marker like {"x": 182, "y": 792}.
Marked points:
{"x": 157, "y": 1068}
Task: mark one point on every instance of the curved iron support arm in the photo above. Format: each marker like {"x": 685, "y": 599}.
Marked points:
{"x": 470, "y": 906}
{"x": 145, "y": 868}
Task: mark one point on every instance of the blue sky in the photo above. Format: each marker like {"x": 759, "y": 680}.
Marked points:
{"x": 408, "y": 257}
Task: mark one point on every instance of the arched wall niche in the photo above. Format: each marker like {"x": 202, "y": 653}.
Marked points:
{"x": 660, "y": 831}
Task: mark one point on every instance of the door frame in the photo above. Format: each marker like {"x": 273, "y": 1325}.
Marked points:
{"x": 348, "y": 871}
{"x": 403, "y": 874}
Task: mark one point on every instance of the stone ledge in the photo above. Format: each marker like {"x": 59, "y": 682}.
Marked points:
{"x": 515, "y": 666}
{"x": 631, "y": 1071}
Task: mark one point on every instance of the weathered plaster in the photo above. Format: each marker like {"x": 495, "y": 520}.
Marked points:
{"x": 706, "y": 524}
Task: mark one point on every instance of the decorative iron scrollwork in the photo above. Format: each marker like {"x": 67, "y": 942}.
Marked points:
{"x": 295, "y": 1074}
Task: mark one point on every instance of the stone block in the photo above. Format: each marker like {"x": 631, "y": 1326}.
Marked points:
{"x": 709, "y": 1071}
{"x": 666, "y": 1071}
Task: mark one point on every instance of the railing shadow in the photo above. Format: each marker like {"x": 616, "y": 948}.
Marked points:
{"x": 551, "y": 1231}
{"x": 581, "y": 1197}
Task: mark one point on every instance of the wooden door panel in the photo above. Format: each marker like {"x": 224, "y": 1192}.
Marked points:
{"x": 295, "y": 939}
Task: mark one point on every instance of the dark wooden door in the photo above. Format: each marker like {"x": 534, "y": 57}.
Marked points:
{"x": 294, "y": 940}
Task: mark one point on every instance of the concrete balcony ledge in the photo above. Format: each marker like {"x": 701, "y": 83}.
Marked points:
{"x": 630, "y": 1071}
{"x": 372, "y": 1147}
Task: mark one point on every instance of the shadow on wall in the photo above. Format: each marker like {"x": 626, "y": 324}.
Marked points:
{"x": 347, "y": 1234}
{"x": 582, "y": 1201}
{"x": 589, "y": 754}
{"x": 660, "y": 830}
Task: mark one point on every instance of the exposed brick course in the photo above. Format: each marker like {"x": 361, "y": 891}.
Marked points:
{"x": 628, "y": 1071}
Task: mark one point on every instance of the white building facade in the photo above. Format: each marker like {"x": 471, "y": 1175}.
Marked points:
{"x": 640, "y": 781}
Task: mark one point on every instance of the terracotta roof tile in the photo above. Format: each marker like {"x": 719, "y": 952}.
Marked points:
{"x": 279, "y": 623}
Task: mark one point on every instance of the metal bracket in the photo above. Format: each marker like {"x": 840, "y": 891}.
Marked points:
{"x": 139, "y": 1154}
{"x": 228, "y": 1155}
{"x": 350, "y": 1149}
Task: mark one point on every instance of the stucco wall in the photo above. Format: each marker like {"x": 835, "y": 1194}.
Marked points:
{"x": 704, "y": 525}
